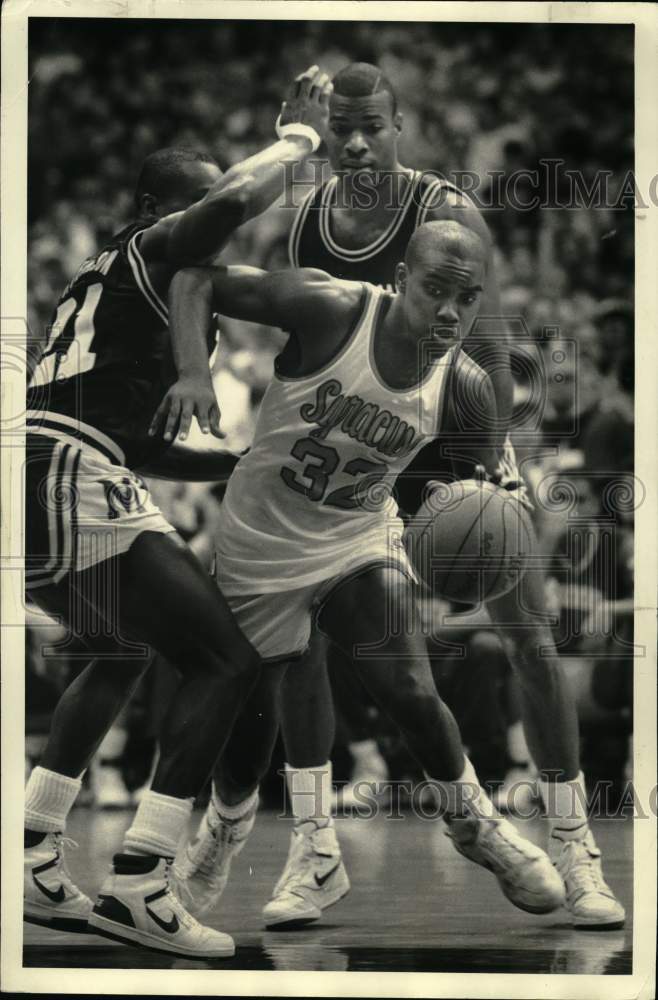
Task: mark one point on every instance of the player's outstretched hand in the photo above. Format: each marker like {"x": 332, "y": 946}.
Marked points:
{"x": 308, "y": 101}
{"x": 185, "y": 399}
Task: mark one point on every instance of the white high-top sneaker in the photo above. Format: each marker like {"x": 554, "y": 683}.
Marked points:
{"x": 50, "y": 897}
{"x": 313, "y": 879}
{"x": 524, "y": 872}
{"x": 138, "y": 905}
{"x": 590, "y": 900}
{"x": 205, "y": 863}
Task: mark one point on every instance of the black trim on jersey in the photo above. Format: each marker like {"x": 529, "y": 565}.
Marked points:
{"x": 426, "y": 205}
{"x": 376, "y": 327}
{"x": 295, "y": 231}
{"x": 383, "y": 306}
{"x": 445, "y": 408}
{"x": 360, "y": 254}
{"x": 340, "y": 350}
{"x": 376, "y": 261}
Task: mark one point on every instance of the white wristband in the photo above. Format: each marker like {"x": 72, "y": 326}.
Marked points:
{"x": 296, "y": 128}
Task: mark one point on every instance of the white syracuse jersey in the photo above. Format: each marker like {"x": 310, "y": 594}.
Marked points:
{"x": 313, "y": 495}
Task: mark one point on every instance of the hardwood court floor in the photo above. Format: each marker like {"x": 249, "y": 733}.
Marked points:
{"x": 415, "y": 906}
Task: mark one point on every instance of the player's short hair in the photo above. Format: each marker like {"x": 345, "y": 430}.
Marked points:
{"x": 161, "y": 171}
{"x": 361, "y": 79}
{"x": 444, "y": 234}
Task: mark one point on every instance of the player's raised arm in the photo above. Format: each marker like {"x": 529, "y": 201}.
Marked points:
{"x": 248, "y": 188}
{"x": 488, "y": 342}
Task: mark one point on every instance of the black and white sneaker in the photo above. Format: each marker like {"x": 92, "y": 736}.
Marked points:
{"x": 138, "y": 905}
{"x": 50, "y": 897}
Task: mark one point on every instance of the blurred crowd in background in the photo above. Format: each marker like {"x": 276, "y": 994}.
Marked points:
{"x": 481, "y": 98}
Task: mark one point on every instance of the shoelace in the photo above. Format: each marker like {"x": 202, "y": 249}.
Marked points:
{"x": 208, "y": 849}
{"x": 221, "y": 835}
{"x": 297, "y": 866}
{"x": 576, "y": 864}
{"x": 60, "y": 842}
{"x": 220, "y": 838}
{"x": 509, "y": 844}
{"x": 179, "y": 897}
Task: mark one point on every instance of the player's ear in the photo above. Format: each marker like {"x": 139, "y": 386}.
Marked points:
{"x": 397, "y": 122}
{"x": 147, "y": 204}
{"x": 401, "y": 277}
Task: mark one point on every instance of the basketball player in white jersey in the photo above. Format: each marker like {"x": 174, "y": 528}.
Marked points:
{"x": 344, "y": 230}
{"x": 309, "y": 529}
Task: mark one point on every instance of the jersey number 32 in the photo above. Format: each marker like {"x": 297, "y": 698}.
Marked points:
{"x": 322, "y": 461}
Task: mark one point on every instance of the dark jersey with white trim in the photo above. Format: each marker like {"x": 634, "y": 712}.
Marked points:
{"x": 108, "y": 362}
{"x": 312, "y": 244}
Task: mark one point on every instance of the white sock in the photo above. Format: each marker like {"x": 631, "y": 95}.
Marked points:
{"x": 464, "y": 796}
{"x": 159, "y": 824}
{"x": 48, "y": 800}
{"x": 237, "y": 811}
{"x": 310, "y": 790}
{"x": 565, "y": 803}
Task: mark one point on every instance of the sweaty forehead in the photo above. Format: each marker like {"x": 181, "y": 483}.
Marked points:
{"x": 452, "y": 267}
{"x": 380, "y": 104}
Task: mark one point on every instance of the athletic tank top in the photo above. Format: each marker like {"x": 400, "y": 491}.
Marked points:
{"x": 311, "y": 243}
{"x": 327, "y": 449}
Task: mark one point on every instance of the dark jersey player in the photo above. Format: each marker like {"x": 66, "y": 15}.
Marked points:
{"x": 357, "y": 227}
{"x": 102, "y": 557}
{"x": 107, "y": 360}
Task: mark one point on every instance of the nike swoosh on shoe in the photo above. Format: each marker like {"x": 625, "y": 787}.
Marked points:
{"x": 54, "y": 895}
{"x": 321, "y": 879}
{"x": 170, "y": 926}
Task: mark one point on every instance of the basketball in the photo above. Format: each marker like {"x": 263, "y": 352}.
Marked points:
{"x": 470, "y": 541}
